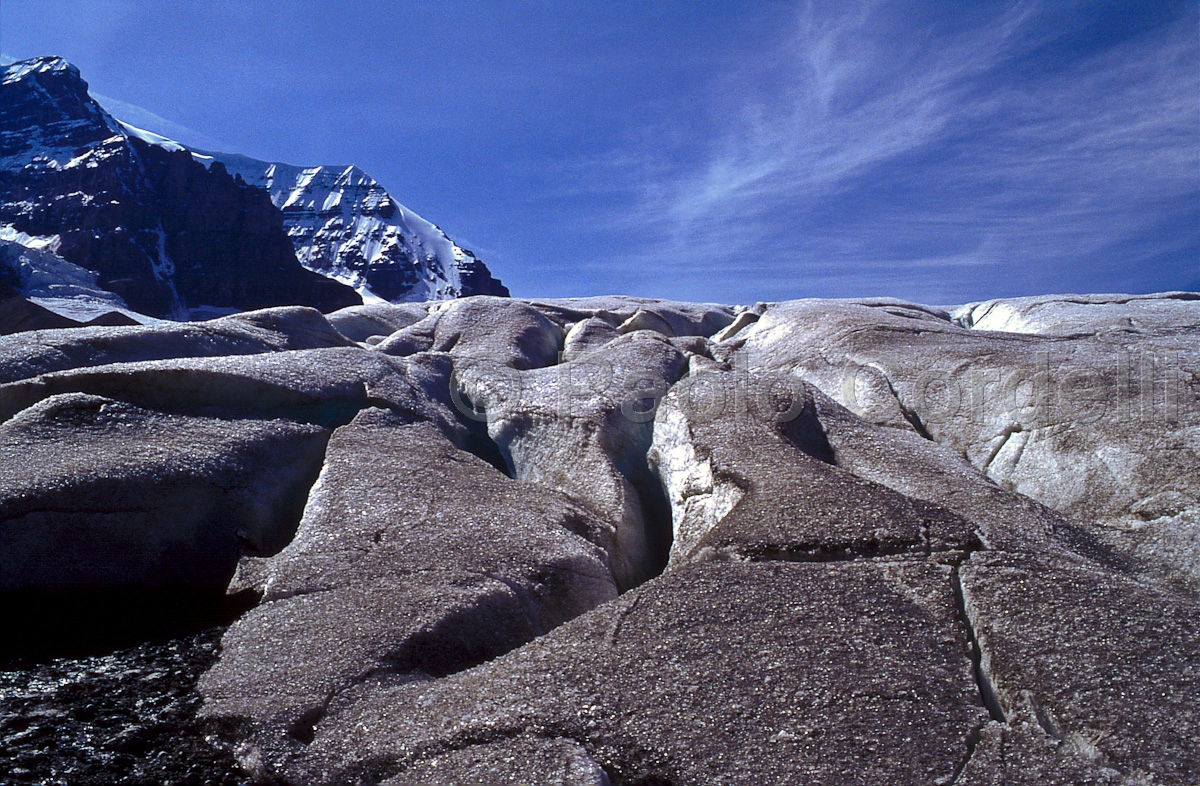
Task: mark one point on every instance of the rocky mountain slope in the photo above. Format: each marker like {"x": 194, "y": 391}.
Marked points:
{"x": 621, "y": 541}
{"x": 167, "y": 235}
{"x": 346, "y": 226}
{"x": 180, "y": 235}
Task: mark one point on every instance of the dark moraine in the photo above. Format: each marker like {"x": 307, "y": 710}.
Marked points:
{"x": 123, "y": 717}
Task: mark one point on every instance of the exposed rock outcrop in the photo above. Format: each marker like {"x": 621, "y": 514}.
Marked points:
{"x": 179, "y": 234}
{"x": 40, "y": 290}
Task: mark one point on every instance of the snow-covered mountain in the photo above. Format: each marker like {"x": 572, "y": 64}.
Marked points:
{"x": 172, "y": 233}
{"x": 345, "y": 225}
{"x": 171, "y": 237}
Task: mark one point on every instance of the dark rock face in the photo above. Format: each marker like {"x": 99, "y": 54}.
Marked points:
{"x": 477, "y": 279}
{"x": 163, "y": 232}
{"x": 621, "y": 542}
{"x": 46, "y": 107}
{"x": 175, "y": 237}
{"x": 40, "y": 291}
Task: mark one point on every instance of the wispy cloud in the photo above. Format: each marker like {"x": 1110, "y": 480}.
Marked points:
{"x": 869, "y": 150}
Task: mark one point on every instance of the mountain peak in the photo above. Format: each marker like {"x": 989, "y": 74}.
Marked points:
{"x": 49, "y": 65}
{"x": 45, "y": 110}
{"x": 123, "y": 201}
{"x": 163, "y": 233}
{"x": 345, "y": 225}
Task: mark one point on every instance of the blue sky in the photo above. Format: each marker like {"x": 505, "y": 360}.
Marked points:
{"x": 940, "y": 151}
